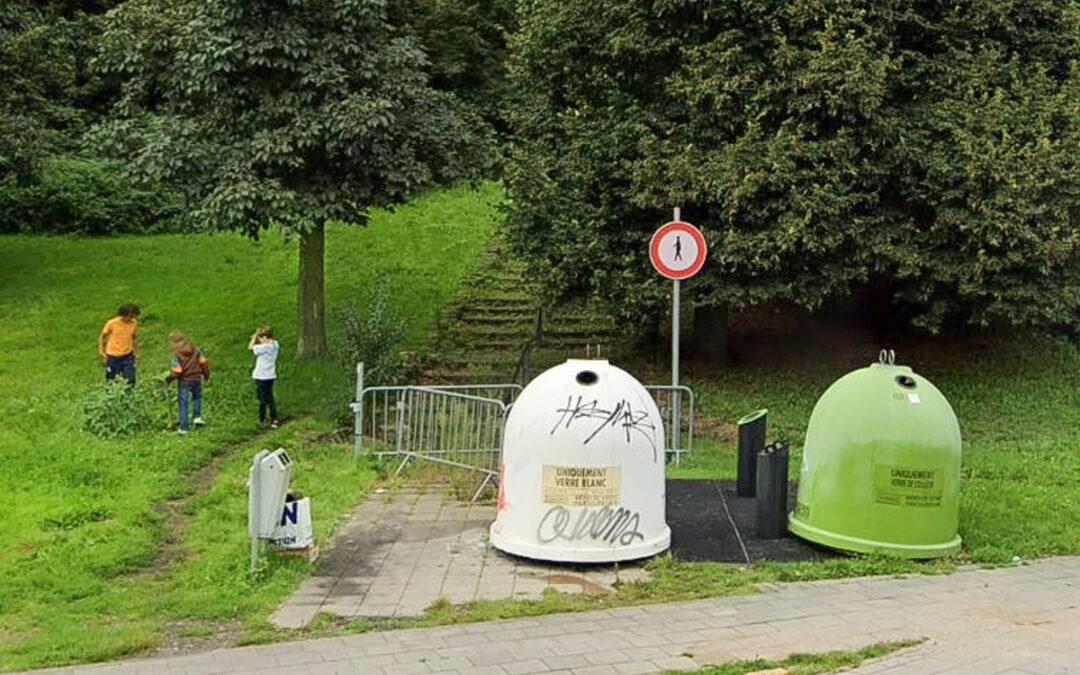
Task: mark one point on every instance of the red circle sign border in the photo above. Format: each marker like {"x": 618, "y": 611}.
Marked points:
{"x": 695, "y": 234}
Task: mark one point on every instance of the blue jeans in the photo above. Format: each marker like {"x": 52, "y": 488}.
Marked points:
{"x": 189, "y": 389}
{"x": 120, "y": 365}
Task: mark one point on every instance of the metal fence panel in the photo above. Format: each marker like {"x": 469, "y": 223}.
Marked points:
{"x": 677, "y": 405}
{"x": 461, "y": 426}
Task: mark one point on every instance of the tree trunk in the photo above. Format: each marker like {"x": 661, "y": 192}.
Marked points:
{"x": 311, "y": 303}
{"x": 710, "y": 342}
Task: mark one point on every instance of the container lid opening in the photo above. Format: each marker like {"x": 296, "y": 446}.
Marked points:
{"x": 905, "y": 381}
{"x": 587, "y": 377}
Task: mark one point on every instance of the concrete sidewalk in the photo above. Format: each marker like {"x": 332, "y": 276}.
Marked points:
{"x": 1013, "y": 620}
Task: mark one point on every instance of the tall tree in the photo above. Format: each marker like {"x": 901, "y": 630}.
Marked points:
{"x": 820, "y": 143}
{"x": 281, "y": 113}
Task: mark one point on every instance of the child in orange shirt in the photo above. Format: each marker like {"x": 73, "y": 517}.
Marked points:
{"x": 118, "y": 344}
{"x": 189, "y": 368}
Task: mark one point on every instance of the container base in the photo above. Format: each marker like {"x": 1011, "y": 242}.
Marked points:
{"x": 856, "y": 545}
{"x": 551, "y": 553}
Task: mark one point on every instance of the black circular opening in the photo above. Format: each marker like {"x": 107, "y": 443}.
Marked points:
{"x": 587, "y": 377}
{"x": 905, "y": 381}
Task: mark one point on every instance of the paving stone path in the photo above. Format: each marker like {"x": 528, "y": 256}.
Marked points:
{"x": 402, "y": 551}
{"x": 1023, "y": 619}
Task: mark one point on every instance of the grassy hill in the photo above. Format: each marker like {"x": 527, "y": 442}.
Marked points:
{"x": 94, "y": 564}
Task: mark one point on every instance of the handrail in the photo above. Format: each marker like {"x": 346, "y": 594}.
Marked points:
{"x": 524, "y": 364}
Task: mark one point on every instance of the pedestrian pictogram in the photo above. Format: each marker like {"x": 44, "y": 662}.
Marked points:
{"x": 678, "y": 250}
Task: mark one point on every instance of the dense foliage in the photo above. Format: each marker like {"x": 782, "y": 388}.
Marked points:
{"x": 72, "y": 195}
{"x": 372, "y": 336}
{"x": 465, "y": 41}
{"x": 49, "y": 181}
{"x": 288, "y": 114}
{"x": 115, "y": 410}
{"x": 821, "y": 144}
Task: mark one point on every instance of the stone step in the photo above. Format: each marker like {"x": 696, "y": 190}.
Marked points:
{"x": 453, "y": 376}
{"x": 502, "y": 319}
{"x": 525, "y": 330}
{"x": 555, "y": 343}
{"x": 487, "y": 299}
{"x": 479, "y": 310}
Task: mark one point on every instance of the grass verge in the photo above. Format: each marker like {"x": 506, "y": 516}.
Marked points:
{"x": 82, "y": 578}
{"x": 1017, "y": 404}
{"x": 812, "y": 664}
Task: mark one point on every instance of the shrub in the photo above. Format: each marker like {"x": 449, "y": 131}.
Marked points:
{"x": 372, "y": 337}
{"x": 115, "y": 410}
{"x": 70, "y": 195}
{"x": 821, "y": 147}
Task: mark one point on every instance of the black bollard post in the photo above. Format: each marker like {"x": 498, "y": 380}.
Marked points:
{"x": 751, "y": 442}
{"x": 772, "y": 491}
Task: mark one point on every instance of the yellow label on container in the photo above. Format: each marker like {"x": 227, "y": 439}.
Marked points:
{"x": 907, "y": 486}
{"x": 581, "y": 485}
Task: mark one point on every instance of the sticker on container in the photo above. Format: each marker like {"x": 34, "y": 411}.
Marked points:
{"x": 582, "y": 485}
{"x": 907, "y": 486}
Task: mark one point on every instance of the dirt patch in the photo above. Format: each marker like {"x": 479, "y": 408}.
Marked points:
{"x": 187, "y": 637}
{"x": 586, "y": 585}
{"x": 172, "y": 511}
{"x": 182, "y": 637}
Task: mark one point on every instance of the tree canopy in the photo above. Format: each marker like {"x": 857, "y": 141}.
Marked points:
{"x": 820, "y": 144}
{"x": 288, "y": 114}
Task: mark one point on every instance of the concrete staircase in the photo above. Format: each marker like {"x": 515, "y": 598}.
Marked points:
{"x": 480, "y": 340}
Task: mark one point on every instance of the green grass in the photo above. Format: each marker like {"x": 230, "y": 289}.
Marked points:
{"x": 1018, "y": 402}
{"x": 812, "y": 664}
{"x": 81, "y": 578}
{"x": 81, "y": 526}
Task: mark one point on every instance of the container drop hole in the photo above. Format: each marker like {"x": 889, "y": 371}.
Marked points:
{"x": 905, "y": 381}
{"x": 587, "y": 377}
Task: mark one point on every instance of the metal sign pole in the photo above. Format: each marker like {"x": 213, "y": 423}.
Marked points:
{"x": 675, "y": 417}
{"x": 666, "y": 241}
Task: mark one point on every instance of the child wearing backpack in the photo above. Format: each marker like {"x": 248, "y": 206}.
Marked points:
{"x": 189, "y": 368}
{"x": 265, "y": 348}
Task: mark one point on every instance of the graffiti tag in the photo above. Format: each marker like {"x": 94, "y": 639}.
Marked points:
{"x": 621, "y": 416}
{"x": 611, "y": 525}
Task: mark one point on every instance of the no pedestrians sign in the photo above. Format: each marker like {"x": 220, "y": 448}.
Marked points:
{"x": 678, "y": 250}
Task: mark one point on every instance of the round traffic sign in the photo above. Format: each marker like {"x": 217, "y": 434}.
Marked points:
{"x": 678, "y": 250}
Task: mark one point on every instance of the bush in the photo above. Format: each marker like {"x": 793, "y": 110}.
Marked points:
{"x": 821, "y": 146}
{"x": 372, "y": 337}
{"x": 115, "y": 410}
{"x": 70, "y": 195}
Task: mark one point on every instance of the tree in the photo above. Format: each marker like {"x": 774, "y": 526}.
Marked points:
{"x": 48, "y": 97}
{"x": 820, "y": 144}
{"x": 465, "y": 40}
{"x": 50, "y": 182}
{"x": 281, "y": 113}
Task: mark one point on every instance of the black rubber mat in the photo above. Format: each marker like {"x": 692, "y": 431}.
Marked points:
{"x": 709, "y": 523}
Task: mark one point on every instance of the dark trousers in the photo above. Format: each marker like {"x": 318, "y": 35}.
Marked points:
{"x": 265, "y": 390}
{"x": 120, "y": 365}
{"x": 186, "y": 389}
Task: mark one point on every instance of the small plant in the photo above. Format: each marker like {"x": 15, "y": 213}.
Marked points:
{"x": 373, "y": 337}
{"x": 115, "y": 410}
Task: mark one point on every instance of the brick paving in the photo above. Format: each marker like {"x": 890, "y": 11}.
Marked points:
{"x": 1023, "y": 619}
{"x": 402, "y": 551}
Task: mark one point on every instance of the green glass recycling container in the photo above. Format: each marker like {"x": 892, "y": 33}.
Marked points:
{"x": 881, "y": 467}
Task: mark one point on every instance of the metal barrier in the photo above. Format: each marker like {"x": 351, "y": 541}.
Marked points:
{"x": 461, "y": 426}
{"x": 375, "y": 412}
{"x": 452, "y": 429}
{"x": 677, "y": 405}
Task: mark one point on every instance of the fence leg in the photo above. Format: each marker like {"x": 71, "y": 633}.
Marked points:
{"x": 480, "y": 490}
{"x": 404, "y": 462}
{"x": 676, "y": 417}
{"x": 358, "y": 412}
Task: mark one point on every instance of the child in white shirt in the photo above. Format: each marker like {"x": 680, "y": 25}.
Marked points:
{"x": 265, "y": 348}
